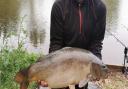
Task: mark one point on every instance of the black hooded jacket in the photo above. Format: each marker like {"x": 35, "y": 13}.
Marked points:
{"x": 78, "y": 23}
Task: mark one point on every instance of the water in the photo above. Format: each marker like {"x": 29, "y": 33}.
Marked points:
{"x": 113, "y": 51}
{"x": 33, "y": 16}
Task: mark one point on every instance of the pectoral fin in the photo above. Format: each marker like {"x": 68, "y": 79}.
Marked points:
{"x": 71, "y": 86}
{"x": 82, "y": 83}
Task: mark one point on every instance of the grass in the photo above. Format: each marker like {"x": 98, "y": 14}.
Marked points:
{"x": 11, "y": 61}
{"x": 116, "y": 80}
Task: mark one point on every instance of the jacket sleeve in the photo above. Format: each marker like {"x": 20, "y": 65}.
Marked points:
{"x": 56, "y": 28}
{"x": 99, "y": 32}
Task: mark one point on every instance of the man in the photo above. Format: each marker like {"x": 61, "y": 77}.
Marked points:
{"x": 78, "y": 23}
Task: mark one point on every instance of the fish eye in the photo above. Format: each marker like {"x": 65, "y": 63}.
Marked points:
{"x": 103, "y": 66}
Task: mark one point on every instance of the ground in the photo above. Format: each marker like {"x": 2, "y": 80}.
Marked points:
{"x": 116, "y": 80}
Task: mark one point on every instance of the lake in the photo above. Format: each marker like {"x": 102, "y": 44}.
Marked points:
{"x": 29, "y": 21}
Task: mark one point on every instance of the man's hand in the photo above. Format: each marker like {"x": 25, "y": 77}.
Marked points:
{"x": 42, "y": 83}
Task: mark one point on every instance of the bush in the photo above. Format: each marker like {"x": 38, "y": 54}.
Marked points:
{"x": 11, "y": 61}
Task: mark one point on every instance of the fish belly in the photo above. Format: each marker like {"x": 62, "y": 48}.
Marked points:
{"x": 63, "y": 78}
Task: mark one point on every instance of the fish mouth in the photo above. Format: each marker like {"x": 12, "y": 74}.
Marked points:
{"x": 18, "y": 78}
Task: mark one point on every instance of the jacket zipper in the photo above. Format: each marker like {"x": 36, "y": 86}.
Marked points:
{"x": 80, "y": 18}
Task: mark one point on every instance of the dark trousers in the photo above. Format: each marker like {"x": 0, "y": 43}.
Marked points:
{"x": 85, "y": 87}
{"x": 76, "y": 87}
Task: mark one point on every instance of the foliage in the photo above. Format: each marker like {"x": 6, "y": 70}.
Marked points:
{"x": 11, "y": 61}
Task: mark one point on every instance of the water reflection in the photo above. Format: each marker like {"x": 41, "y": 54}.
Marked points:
{"x": 36, "y": 32}
{"x": 25, "y": 15}
{"x": 117, "y": 15}
{"x": 8, "y": 13}
{"x": 36, "y": 37}
{"x": 112, "y": 14}
{"x": 8, "y": 9}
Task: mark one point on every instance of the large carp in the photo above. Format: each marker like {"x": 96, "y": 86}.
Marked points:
{"x": 67, "y": 66}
